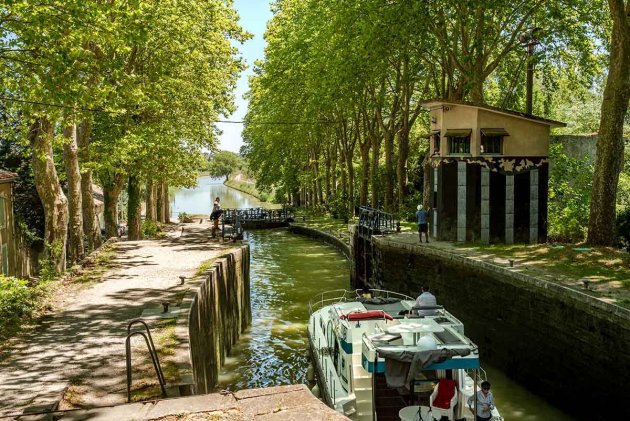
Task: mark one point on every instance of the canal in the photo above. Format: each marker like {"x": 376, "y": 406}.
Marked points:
{"x": 286, "y": 271}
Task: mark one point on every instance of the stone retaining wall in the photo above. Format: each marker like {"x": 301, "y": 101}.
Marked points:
{"x": 216, "y": 312}
{"x": 561, "y": 343}
{"x": 324, "y": 236}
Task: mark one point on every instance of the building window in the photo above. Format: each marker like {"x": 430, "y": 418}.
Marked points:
{"x": 458, "y": 141}
{"x": 492, "y": 141}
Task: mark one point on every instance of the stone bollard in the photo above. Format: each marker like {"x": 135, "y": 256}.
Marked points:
{"x": 182, "y": 279}
{"x": 165, "y": 307}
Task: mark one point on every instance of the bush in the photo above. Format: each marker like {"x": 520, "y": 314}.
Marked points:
{"x": 570, "y": 182}
{"x": 151, "y": 228}
{"x": 17, "y": 301}
{"x": 623, "y": 229}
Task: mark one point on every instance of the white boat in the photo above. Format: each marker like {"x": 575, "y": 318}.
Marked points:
{"x": 373, "y": 357}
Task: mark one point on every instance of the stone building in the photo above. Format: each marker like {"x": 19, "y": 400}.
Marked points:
{"x": 490, "y": 173}
{"x": 7, "y": 243}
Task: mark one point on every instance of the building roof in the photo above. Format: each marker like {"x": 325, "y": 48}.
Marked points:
{"x": 7, "y": 176}
{"x": 433, "y": 103}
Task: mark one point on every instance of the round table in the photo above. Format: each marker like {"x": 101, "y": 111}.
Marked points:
{"x": 410, "y": 413}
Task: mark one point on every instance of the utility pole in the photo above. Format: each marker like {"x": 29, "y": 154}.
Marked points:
{"x": 529, "y": 41}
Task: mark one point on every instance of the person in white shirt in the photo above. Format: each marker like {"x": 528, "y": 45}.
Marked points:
{"x": 485, "y": 402}
{"x": 426, "y": 299}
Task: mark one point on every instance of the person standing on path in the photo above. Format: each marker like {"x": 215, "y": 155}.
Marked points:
{"x": 214, "y": 216}
{"x": 422, "y": 217}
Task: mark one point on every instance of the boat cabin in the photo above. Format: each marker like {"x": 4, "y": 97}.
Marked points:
{"x": 490, "y": 173}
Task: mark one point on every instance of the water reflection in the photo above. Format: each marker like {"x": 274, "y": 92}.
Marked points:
{"x": 274, "y": 352}
{"x": 198, "y": 200}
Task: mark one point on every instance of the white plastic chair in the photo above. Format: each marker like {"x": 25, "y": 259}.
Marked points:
{"x": 439, "y": 412}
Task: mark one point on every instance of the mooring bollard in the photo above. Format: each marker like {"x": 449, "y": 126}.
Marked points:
{"x": 586, "y": 283}
{"x": 165, "y": 307}
{"x": 511, "y": 262}
{"x": 182, "y": 279}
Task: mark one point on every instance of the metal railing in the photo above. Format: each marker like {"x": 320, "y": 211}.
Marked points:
{"x": 376, "y": 221}
{"x": 257, "y": 215}
{"x": 152, "y": 352}
{"x": 342, "y": 295}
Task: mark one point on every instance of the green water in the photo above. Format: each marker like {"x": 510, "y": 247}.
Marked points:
{"x": 286, "y": 271}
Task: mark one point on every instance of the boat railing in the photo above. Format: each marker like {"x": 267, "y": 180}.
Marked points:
{"x": 383, "y": 293}
{"x": 329, "y": 297}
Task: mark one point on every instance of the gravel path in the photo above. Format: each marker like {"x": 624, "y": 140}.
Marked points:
{"x": 83, "y": 339}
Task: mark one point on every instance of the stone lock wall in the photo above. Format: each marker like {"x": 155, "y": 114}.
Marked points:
{"x": 566, "y": 345}
{"x": 219, "y": 310}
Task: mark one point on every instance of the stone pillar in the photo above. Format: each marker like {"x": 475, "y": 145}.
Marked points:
{"x": 434, "y": 225}
{"x": 533, "y": 206}
{"x": 461, "y": 201}
{"x": 485, "y": 205}
{"x": 509, "y": 208}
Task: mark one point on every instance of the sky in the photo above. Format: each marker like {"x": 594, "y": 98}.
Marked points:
{"x": 254, "y": 16}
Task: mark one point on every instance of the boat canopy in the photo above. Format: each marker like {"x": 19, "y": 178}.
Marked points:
{"x": 402, "y": 365}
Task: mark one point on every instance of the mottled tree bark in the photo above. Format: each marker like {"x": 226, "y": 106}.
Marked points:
{"x": 134, "y": 220}
{"x": 75, "y": 249}
{"x": 427, "y": 188}
{"x": 610, "y": 145}
{"x": 40, "y": 137}
{"x": 91, "y": 228}
{"x": 159, "y": 202}
{"x": 112, "y": 186}
{"x": 376, "y": 157}
{"x": 151, "y": 209}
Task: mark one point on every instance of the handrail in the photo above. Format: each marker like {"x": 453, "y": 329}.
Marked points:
{"x": 152, "y": 352}
{"x": 342, "y": 295}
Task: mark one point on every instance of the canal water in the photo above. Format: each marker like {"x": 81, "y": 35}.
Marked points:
{"x": 286, "y": 271}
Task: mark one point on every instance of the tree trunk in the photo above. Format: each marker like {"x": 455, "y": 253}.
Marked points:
{"x": 376, "y": 157}
{"x": 76, "y": 252}
{"x": 111, "y": 192}
{"x": 159, "y": 202}
{"x": 427, "y": 188}
{"x": 610, "y": 145}
{"x": 91, "y": 226}
{"x": 53, "y": 199}
{"x": 166, "y": 213}
{"x": 365, "y": 171}
{"x": 389, "y": 171}
{"x": 403, "y": 154}
{"x": 151, "y": 209}
{"x": 134, "y": 220}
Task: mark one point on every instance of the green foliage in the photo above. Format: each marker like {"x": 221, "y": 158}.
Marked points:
{"x": 623, "y": 228}
{"x": 48, "y": 270}
{"x": 151, "y": 229}
{"x": 224, "y": 163}
{"x": 17, "y": 301}
{"x": 570, "y": 182}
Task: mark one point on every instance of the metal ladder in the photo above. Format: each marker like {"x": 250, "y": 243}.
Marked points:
{"x": 154, "y": 357}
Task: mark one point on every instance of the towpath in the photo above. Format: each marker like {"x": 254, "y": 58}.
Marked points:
{"x": 86, "y": 337}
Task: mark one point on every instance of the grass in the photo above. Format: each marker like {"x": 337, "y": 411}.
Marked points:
{"x": 45, "y": 297}
{"x": 604, "y": 267}
{"x": 204, "y": 267}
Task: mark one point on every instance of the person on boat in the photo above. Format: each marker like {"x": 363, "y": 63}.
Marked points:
{"x": 422, "y": 216}
{"x": 366, "y": 293}
{"x": 214, "y": 216}
{"x": 426, "y": 299}
{"x": 485, "y": 402}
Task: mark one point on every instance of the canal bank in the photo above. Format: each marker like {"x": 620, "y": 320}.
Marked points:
{"x": 558, "y": 341}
